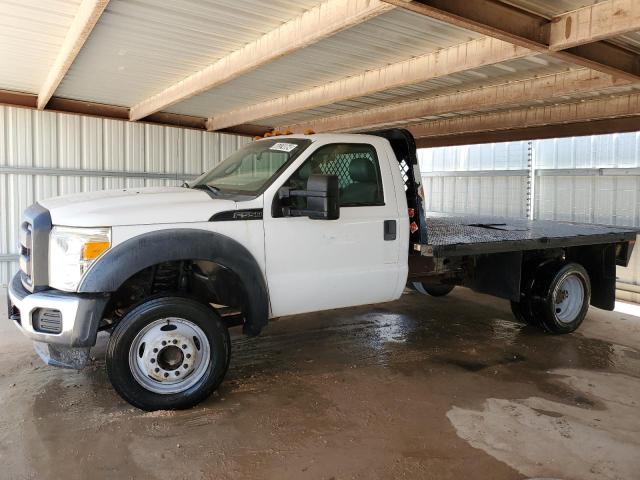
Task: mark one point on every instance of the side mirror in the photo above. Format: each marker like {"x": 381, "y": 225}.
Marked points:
{"x": 323, "y": 199}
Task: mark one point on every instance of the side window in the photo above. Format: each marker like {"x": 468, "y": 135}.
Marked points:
{"x": 355, "y": 165}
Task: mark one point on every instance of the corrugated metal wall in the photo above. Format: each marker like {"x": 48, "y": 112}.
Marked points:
{"x": 44, "y": 154}
{"x": 479, "y": 179}
{"x": 582, "y": 179}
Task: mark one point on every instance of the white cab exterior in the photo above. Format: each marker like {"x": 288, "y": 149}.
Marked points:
{"x": 308, "y": 265}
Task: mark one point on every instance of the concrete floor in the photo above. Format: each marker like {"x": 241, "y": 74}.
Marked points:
{"x": 447, "y": 388}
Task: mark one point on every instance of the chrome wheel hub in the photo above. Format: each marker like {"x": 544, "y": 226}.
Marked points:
{"x": 568, "y": 298}
{"x": 169, "y": 355}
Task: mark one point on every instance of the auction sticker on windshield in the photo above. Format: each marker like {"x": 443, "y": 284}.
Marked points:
{"x": 284, "y": 147}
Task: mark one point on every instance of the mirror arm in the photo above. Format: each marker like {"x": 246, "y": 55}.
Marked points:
{"x": 292, "y": 212}
{"x": 286, "y": 193}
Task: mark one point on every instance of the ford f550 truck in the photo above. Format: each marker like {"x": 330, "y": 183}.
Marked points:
{"x": 286, "y": 225}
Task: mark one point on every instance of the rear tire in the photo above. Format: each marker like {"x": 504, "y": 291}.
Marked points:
{"x": 168, "y": 353}
{"x": 435, "y": 290}
{"x": 561, "y": 298}
{"x": 522, "y": 312}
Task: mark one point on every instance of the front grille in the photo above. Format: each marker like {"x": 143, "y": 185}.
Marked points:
{"x": 47, "y": 320}
{"x": 12, "y": 310}
{"x": 34, "y": 248}
{"x": 26, "y": 245}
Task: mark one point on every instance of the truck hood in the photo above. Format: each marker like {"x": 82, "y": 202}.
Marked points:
{"x": 135, "y": 206}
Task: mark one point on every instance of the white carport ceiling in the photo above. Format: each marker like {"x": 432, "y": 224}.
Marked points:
{"x": 338, "y": 65}
{"x": 31, "y": 34}
{"x": 141, "y": 46}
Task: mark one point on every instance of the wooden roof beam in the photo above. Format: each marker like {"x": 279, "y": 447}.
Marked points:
{"x": 565, "y": 113}
{"x": 511, "y": 24}
{"x": 459, "y": 58}
{"x": 322, "y": 21}
{"x": 594, "y": 23}
{"x": 82, "y": 25}
{"x": 578, "y": 129}
{"x": 504, "y": 95}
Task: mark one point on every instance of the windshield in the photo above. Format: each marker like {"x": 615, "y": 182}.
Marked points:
{"x": 252, "y": 167}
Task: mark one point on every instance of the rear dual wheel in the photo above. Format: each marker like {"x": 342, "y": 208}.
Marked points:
{"x": 558, "y": 299}
{"x": 435, "y": 289}
{"x": 168, "y": 353}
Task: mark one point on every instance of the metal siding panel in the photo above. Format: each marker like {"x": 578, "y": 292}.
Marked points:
{"x": 48, "y": 140}
{"x": 460, "y": 195}
{"x": 475, "y": 156}
{"x": 582, "y": 200}
{"x": 115, "y": 183}
{"x": 114, "y": 145}
{"x": 564, "y": 153}
{"x": 603, "y": 151}
{"x": 154, "y": 148}
{"x": 193, "y": 152}
{"x": 583, "y": 152}
{"x": 626, "y": 149}
{"x": 174, "y": 150}
{"x": 91, "y": 141}
{"x": 474, "y": 195}
{"x": 69, "y": 143}
{"x": 45, "y": 140}
{"x": 135, "y": 134}
{"x": 19, "y": 137}
{"x": 448, "y": 194}
{"x": 5, "y": 214}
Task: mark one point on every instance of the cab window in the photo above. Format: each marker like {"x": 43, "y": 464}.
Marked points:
{"x": 357, "y": 168}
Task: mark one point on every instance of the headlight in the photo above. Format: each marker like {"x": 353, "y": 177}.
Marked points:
{"x": 71, "y": 253}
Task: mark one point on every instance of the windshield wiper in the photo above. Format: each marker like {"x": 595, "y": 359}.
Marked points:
{"x": 210, "y": 188}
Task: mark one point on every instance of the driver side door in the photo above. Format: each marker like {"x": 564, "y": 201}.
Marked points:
{"x": 314, "y": 265}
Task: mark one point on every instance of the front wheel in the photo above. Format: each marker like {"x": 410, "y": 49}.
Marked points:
{"x": 168, "y": 353}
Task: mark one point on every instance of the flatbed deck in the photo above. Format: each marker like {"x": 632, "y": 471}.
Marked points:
{"x": 473, "y": 235}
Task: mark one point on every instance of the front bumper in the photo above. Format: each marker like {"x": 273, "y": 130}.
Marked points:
{"x": 80, "y": 316}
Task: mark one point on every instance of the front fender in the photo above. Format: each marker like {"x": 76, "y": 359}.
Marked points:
{"x": 110, "y": 271}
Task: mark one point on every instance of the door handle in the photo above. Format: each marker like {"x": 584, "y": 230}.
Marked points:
{"x": 390, "y": 230}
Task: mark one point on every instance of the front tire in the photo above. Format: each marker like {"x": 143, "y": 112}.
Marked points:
{"x": 168, "y": 353}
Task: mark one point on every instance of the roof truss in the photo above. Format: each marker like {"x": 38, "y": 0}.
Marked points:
{"x": 504, "y": 95}
{"x": 575, "y": 37}
{"x": 473, "y": 54}
{"x": 582, "y": 45}
{"x": 320, "y": 22}
{"x": 596, "y": 109}
{"x": 86, "y": 18}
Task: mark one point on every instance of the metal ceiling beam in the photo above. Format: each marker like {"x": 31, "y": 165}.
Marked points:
{"x": 566, "y": 113}
{"x": 504, "y": 95}
{"x": 88, "y": 14}
{"x": 322, "y": 21}
{"x": 447, "y": 61}
{"x": 511, "y": 24}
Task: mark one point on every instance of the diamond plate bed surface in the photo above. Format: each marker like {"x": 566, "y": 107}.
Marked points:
{"x": 466, "y": 233}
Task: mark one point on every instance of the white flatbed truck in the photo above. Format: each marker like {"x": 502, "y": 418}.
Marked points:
{"x": 287, "y": 225}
